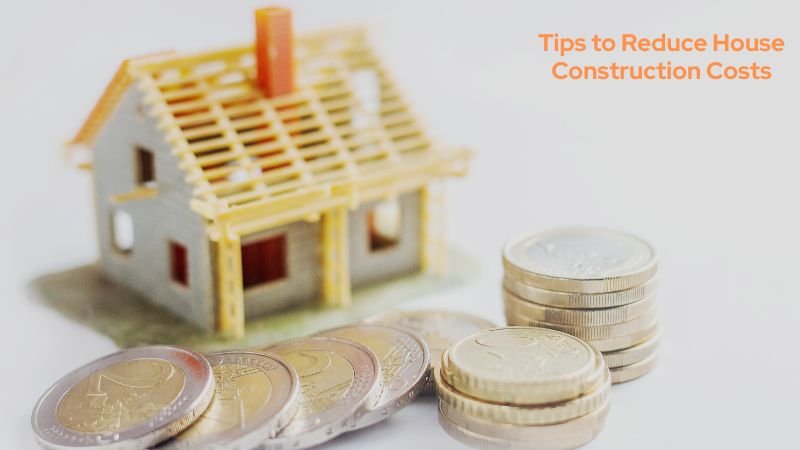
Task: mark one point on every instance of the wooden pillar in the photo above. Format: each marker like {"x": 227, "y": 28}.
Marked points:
{"x": 432, "y": 245}
{"x": 335, "y": 258}
{"x": 230, "y": 293}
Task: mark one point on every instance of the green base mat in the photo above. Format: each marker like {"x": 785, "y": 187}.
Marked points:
{"x": 84, "y": 295}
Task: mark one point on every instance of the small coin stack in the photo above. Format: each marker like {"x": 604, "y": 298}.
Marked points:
{"x": 596, "y": 284}
{"x": 523, "y": 388}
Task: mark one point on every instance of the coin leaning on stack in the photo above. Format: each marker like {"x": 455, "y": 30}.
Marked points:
{"x": 351, "y": 377}
{"x": 439, "y": 328}
{"x": 523, "y": 388}
{"x": 340, "y": 380}
{"x": 256, "y": 395}
{"x": 596, "y": 284}
{"x": 404, "y": 363}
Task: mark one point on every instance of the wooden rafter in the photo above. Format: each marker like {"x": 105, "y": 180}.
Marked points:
{"x": 242, "y": 151}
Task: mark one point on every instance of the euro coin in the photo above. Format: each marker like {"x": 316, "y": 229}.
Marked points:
{"x": 256, "y": 395}
{"x": 545, "y": 414}
{"x": 627, "y": 341}
{"x": 578, "y": 317}
{"x": 633, "y": 371}
{"x": 632, "y": 355}
{"x": 581, "y": 301}
{"x": 404, "y": 361}
{"x": 561, "y": 436}
{"x": 127, "y": 400}
{"x": 339, "y": 379}
{"x": 439, "y": 328}
{"x": 587, "y": 333}
{"x": 579, "y": 260}
{"x": 520, "y": 365}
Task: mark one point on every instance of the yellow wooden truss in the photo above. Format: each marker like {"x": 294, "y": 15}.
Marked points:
{"x": 256, "y": 163}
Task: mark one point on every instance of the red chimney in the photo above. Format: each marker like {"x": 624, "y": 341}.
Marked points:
{"x": 275, "y": 51}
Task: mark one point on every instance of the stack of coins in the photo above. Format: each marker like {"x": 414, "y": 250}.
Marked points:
{"x": 595, "y": 284}
{"x": 523, "y": 388}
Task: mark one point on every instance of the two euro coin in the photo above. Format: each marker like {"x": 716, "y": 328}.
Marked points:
{"x": 351, "y": 377}
{"x": 168, "y": 397}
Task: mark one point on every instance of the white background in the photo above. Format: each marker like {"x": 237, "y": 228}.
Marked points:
{"x": 705, "y": 170}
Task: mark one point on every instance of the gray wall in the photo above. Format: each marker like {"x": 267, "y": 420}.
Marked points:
{"x": 367, "y": 266}
{"x": 304, "y": 260}
{"x": 303, "y": 282}
{"x": 156, "y": 221}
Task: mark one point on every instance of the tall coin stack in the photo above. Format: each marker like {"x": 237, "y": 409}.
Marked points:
{"x": 522, "y": 388}
{"x": 596, "y": 284}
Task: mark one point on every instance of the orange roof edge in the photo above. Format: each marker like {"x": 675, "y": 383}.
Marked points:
{"x": 108, "y": 100}
{"x": 125, "y": 74}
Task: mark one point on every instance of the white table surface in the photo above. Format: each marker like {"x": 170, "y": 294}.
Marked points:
{"x": 705, "y": 170}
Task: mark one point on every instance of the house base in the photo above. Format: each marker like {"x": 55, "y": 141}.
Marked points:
{"x": 84, "y": 295}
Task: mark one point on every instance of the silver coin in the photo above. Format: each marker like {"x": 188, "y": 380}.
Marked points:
{"x": 255, "y": 396}
{"x": 581, "y": 301}
{"x": 618, "y": 343}
{"x": 127, "y": 400}
{"x": 579, "y": 260}
{"x": 339, "y": 380}
{"x": 404, "y": 360}
{"x": 577, "y": 317}
{"x": 632, "y": 355}
{"x": 587, "y": 333}
{"x": 636, "y": 370}
{"x": 439, "y": 328}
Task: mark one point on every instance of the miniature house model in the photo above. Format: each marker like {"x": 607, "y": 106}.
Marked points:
{"x": 235, "y": 182}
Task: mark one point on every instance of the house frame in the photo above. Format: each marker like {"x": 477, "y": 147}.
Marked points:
{"x": 316, "y": 155}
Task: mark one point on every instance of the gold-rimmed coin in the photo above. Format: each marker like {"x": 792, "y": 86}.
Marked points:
{"x": 561, "y": 436}
{"x": 577, "y": 317}
{"x": 528, "y": 415}
{"x": 520, "y": 365}
{"x": 134, "y": 398}
{"x": 578, "y": 300}
{"x": 634, "y": 371}
{"x": 339, "y": 379}
{"x": 439, "y": 328}
{"x": 632, "y": 355}
{"x": 579, "y": 259}
{"x": 404, "y": 361}
{"x": 255, "y": 396}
